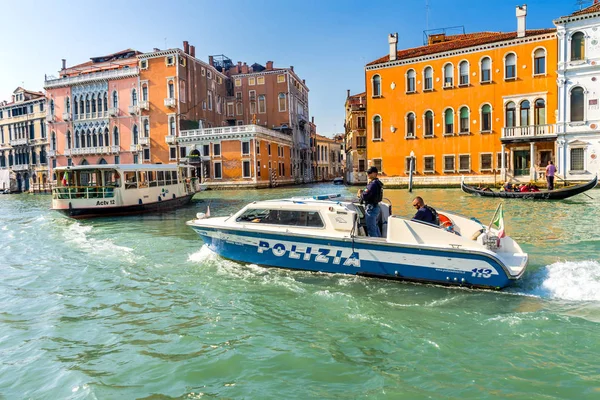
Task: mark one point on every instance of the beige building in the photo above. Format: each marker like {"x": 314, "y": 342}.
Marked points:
{"x": 355, "y": 138}
{"x": 24, "y": 142}
{"x": 329, "y": 158}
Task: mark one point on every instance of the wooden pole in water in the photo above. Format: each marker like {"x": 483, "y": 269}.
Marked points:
{"x": 410, "y": 172}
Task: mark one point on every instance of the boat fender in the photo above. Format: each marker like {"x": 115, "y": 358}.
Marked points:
{"x": 140, "y": 202}
{"x": 477, "y": 234}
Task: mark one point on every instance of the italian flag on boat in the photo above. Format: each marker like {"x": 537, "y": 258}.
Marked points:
{"x": 498, "y": 221}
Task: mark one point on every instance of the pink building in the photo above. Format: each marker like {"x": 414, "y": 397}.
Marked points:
{"x": 93, "y": 115}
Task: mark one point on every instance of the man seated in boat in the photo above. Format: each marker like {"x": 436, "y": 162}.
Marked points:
{"x": 524, "y": 188}
{"x": 484, "y": 188}
{"x": 508, "y": 187}
{"x": 532, "y": 188}
{"x": 425, "y": 213}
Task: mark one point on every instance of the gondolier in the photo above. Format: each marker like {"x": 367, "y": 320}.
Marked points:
{"x": 550, "y": 171}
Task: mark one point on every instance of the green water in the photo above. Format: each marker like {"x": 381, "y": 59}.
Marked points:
{"x": 134, "y": 307}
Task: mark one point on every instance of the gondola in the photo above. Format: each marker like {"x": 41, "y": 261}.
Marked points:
{"x": 558, "y": 194}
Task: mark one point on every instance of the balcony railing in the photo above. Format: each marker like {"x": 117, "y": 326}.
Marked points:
{"x": 51, "y": 153}
{"x": 66, "y": 116}
{"x": 529, "y": 131}
{"x": 20, "y": 167}
{"x": 170, "y": 139}
{"x": 19, "y": 142}
{"x": 169, "y": 102}
{"x": 144, "y": 141}
{"x": 113, "y": 111}
{"x": 199, "y": 134}
{"x": 92, "y": 150}
{"x": 91, "y": 77}
{"x": 134, "y": 109}
{"x": 145, "y": 105}
{"x": 135, "y": 147}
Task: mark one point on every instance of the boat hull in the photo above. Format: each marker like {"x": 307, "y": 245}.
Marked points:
{"x": 360, "y": 257}
{"x": 558, "y": 194}
{"x": 94, "y": 212}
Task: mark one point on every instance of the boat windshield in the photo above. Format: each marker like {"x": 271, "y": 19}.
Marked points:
{"x": 282, "y": 217}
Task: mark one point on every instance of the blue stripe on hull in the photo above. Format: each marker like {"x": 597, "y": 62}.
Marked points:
{"x": 293, "y": 259}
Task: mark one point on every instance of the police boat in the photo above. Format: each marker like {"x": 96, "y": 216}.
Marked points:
{"x": 328, "y": 234}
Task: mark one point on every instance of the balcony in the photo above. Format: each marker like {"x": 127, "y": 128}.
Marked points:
{"x": 170, "y": 139}
{"x": 134, "y": 110}
{"x": 50, "y": 117}
{"x": 20, "y": 167}
{"x": 92, "y": 150}
{"x": 169, "y": 102}
{"x": 145, "y": 105}
{"x": 135, "y": 148}
{"x": 66, "y": 116}
{"x": 92, "y": 77}
{"x": 144, "y": 141}
{"x": 528, "y": 133}
{"x": 19, "y": 142}
{"x": 51, "y": 153}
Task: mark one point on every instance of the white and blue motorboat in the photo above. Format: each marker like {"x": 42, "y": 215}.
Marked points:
{"x": 327, "y": 234}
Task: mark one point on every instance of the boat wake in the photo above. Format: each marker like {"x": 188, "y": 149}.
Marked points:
{"x": 565, "y": 280}
{"x": 78, "y": 235}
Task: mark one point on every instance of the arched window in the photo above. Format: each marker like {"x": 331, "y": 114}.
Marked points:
{"x": 99, "y": 103}
{"x": 105, "y": 102}
{"x": 135, "y": 134}
{"x": 68, "y": 139}
{"x": 76, "y": 139}
{"x": 146, "y": 128}
{"x": 540, "y": 112}
{"x": 448, "y": 75}
{"x": 410, "y": 125}
{"x": 262, "y": 103}
{"x": 377, "y": 127}
{"x": 134, "y": 97}
{"x": 539, "y": 62}
{"x": 171, "y": 90}
{"x": 75, "y": 106}
{"x": 464, "y": 120}
{"x": 100, "y": 138}
{"x": 116, "y": 136}
{"x": 524, "y": 111}
{"x": 464, "y": 73}
{"x": 486, "y": 70}
{"x": 89, "y": 138}
{"x": 486, "y": 118}
{"x": 577, "y": 46}
{"x": 83, "y": 139}
{"x": 87, "y": 104}
{"x": 53, "y": 141}
{"x": 577, "y": 100}
{"x": 144, "y": 92}
{"x": 411, "y": 81}
{"x": 94, "y": 103}
{"x": 67, "y": 104}
{"x": 172, "y": 126}
{"x": 511, "y": 115}
{"x": 429, "y": 123}
{"x": 510, "y": 66}
{"x": 102, "y": 161}
{"x": 428, "y": 79}
{"x": 376, "y": 86}
{"x": 282, "y": 102}
{"x": 115, "y": 99}
{"x": 84, "y": 162}
{"x": 81, "y": 107}
{"x": 51, "y": 107}
{"x": 449, "y": 121}
{"x": 106, "y": 143}
{"x": 94, "y": 138}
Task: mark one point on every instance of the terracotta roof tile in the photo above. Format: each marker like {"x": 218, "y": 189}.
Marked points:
{"x": 456, "y": 42}
{"x": 588, "y": 10}
{"x": 358, "y": 95}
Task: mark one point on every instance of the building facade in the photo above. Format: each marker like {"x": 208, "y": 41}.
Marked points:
{"x": 479, "y": 105}
{"x": 277, "y": 99}
{"x": 330, "y": 163}
{"x": 24, "y": 142}
{"x": 92, "y": 114}
{"x": 239, "y": 156}
{"x": 355, "y": 138}
{"x": 578, "y": 125}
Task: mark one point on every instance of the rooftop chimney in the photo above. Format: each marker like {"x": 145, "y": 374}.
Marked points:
{"x": 244, "y": 68}
{"x": 393, "y": 41}
{"x": 64, "y": 63}
{"x": 211, "y": 61}
{"x": 292, "y": 68}
{"x": 348, "y": 93}
{"x": 269, "y": 65}
{"x": 521, "y": 14}
{"x": 186, "y": 47}
{"x": 193, "y": 51}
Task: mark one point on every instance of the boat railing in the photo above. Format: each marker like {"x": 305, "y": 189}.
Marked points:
{"x": 83, "y": 192}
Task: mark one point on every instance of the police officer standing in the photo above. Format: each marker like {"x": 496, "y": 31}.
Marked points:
{"x": 371, "y": 196}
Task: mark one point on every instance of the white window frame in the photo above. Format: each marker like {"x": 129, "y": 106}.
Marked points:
{"x": 569, "y": 50}
{"x": 407, "y": 77}
{"x": 171, "y": 62}
{"x": 242, "y": 147}
{"x": 406, "y": 161}
{"x": 569, "y": 102}
{"x": 447, "y": 171}
{"x": 428, "y": 171}
{"x": 261, "y": 98}
{"x": 284, "y": 102}
{"x": 514, "y": 78}
{"x": 425, "y": 135}
{"x": 408, "y": 135}
{"x": 491, "y": 168}
{"x": 170, "y": 149}
{"x": 373, "y": 95}
{"x": 169, "y": 79}
{"x": 468, "y": 131}
{"x": 247, "y": 160}
{"x": 380, "y": 163}
{"x": 460, "y": 84}
{"x": 481, "y": 118}
{"x": 251, "y": 81}
{"x": 373, "y": 138}
{"x": 220, "y": 149}
{"x": 260, "y": 80}
{"x": 444, "y": 122}
{"x": 506, "y": 159}
{"x": 545, "y": 62}
{"x": 425, "y": 78}
{"x": 238, "y": 82}
{"x": 445, "y": 76}
{"x": 481, "y": 81}
{"x": 469, "y": 168}
{"x": 214, "y": 170}
{"x": 281, "y": 78}
{"x": 143, "y": 64}
{"x": 577, "y": 147}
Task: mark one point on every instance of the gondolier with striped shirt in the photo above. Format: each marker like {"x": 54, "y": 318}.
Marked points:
{"x": 372, "y": 196}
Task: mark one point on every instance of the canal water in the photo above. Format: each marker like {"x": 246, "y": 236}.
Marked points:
{"x": 135, "y": 307}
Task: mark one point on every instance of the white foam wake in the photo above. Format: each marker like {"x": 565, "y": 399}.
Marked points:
{"x": 568, "y": 280}
{"x": 78, "y": 235}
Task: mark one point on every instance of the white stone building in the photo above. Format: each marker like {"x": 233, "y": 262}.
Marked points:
{"x": 578, "y": 119}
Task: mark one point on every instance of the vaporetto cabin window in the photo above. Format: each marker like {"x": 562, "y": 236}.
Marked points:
{"x": 282, "y": 217}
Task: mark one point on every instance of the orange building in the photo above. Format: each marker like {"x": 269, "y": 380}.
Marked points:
{"x": 459, "y": 102}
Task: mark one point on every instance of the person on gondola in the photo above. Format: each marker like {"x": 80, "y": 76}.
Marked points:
{"x": 508, "y": 187}
{"x": 550, "y": 171}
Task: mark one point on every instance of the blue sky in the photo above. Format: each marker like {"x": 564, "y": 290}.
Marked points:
{"x": 327, "y": 41}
